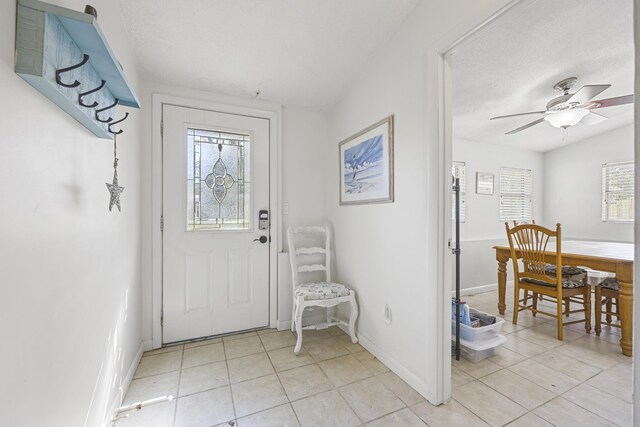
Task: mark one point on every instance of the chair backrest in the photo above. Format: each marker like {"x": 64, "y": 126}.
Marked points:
{"x": 529, "y": 242}
{"x": 309, "y": 254}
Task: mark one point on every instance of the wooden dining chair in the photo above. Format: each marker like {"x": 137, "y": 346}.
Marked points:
{"x": 568, "y": 272}
{"x": 530, "y": 243}
{"x": 607, "y": 295}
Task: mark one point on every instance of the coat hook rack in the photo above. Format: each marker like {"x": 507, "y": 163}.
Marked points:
{"x": 89, "y": 92}
{"x": 105, "y": 109}
{"x": 65, "y": 56}
{"x": 85, "y": 59}
{"x": 116, "y": 122}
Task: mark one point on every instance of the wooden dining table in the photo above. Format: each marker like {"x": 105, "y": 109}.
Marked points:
{"x": 603, "y": 256}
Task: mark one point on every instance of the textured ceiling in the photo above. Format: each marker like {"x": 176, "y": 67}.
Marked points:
{"x": 295, "y": 52}
{"x": 511, "y": 65}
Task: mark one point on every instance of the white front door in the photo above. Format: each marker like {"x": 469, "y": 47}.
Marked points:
{"x": 215, "y": 181}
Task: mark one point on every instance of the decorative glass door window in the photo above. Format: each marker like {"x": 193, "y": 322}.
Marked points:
{"x": 218, "y": 176}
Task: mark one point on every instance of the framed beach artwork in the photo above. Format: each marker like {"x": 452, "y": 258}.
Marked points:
{"x": 366, "y": 165}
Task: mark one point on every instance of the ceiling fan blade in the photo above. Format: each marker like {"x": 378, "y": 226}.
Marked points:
{"x": 593, "y": 119}
{"x": 610, "y": 102}
{"x": 587, "y": 92}
{"x": 516, "y": 115}
{"x": 528, "y": 125}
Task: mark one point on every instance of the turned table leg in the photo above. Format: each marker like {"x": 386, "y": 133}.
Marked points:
{"x": 502, "y": 284}
{"x": 626, "y": 316}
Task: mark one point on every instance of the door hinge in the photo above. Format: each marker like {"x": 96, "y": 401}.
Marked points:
{"x": 162, "y": 128}
{"x": 162, "y": 318}
{"x": 161, "y": 223}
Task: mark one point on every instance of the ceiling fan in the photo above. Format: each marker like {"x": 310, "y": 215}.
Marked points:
{"x": 570, "y": 109}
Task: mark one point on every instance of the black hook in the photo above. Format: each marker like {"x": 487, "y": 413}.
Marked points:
{"x": 95, "y": 104}
{"x": 73, "y": 67}
{"x": 105, "y": 109}
{"x": 118, "y": 121}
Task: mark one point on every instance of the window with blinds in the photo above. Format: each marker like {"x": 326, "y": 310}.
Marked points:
{"x": 515, "y": 194}
{"x": 458, "y": 171}
{"x": 617, "y": 192}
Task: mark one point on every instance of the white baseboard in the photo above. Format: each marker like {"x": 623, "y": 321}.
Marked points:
{"x": 126, "y": 382}
{"x": 407, "y": 376}
{"x": 480, "y": 289}
{"x": 283, "y": 325}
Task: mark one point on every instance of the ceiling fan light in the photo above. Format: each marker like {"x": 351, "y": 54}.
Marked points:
{"x": 566, "y": 118}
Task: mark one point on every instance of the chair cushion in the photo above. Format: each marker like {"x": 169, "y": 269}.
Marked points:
{"x": 566, "y": 283}
{"x": 321, "y": 290}
{"x": 610, "y": 283}
{"x": 567, "y": 271}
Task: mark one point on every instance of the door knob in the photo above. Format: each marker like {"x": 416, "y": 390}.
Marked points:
{"x": 262, "y": 239}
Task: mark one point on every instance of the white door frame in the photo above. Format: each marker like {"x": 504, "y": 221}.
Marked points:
{"x": 438, "y": 119}
{"x": 271, "y": 112}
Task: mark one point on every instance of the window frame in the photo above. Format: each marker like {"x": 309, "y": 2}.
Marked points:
{"x": 526, "y": 174}
{"x": 604, "y": 191}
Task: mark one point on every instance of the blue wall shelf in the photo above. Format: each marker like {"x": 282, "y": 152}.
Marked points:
{"x": 49, "y": 39}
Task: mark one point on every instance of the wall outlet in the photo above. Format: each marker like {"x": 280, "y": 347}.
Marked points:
{"x": 387, "y": 314}
{"x": 285, "y": 209}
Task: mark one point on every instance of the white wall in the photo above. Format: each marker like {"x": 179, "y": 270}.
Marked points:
{"x": 304, "y": 138}
{"x": 69, "y": 269}
{"x": 389, "y": 252}
{"x": 483, "y": 211}
{"x": 483, "y": 229}
{"x": 573, "y": 186}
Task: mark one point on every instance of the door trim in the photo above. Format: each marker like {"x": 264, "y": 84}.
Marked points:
{"x": 439, "y": 120}
{"x": 258, "y": 109}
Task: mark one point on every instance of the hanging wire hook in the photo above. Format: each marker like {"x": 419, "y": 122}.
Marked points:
{"x": 105, "y": 109}
{"x": 89, "y": 92}
{"x": 116, "y": 122}
{"x": 76, "y": 83}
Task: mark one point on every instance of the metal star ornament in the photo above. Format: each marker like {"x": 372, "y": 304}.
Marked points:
{"x": 114, "y": 190}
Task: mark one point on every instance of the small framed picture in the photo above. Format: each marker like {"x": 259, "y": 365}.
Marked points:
{"x": 484, "y": 183}
{"x": 366, "y": 165}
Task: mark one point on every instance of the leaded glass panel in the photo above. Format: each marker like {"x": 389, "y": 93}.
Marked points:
{"x": 218, "y": 177}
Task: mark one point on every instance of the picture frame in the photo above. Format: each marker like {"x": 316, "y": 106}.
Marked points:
{"x": 484, "y": 183}
{"x": 366, "y": 165}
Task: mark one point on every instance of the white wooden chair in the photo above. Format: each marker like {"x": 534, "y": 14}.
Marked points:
{"x": 313, "y": 263}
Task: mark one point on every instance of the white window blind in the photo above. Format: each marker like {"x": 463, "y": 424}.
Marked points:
{"x": 515, "y": 194}
{"x": 458, "y": 171}
{"x": 617, "y": 191}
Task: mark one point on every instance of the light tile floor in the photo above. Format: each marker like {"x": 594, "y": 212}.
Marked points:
{"x": 254, "y": 379}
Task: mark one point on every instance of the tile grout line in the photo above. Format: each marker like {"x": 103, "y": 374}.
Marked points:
{"x": 175, "y": 411}
{"x": 281, "y": 385}
{"x": 233, "y": 402}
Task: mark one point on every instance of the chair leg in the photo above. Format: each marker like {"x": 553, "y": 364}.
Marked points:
{"x": 587, "y": 309}
{"x": 298, "y": 322}
{"x": 526, "y": 297}
{"x": 567, "y": 306}
{"x": 352, "y": 318}
{"x": 516, "y": 303}
{"x": 534, "y": 303}
{"x": 617, "y": 304}
{"x": 293, "y": 316}
{"x": 559, "y": 317}
{"x": 598, "y": 302}
{"x": 609, "y": 310}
